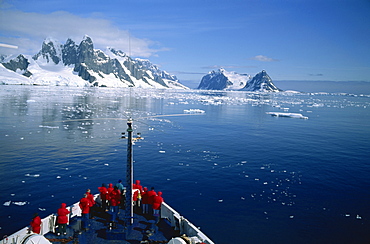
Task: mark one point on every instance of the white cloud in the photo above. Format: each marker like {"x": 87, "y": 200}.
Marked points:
{"x": 28, "y": 30}
{"x": 263, "y": 58}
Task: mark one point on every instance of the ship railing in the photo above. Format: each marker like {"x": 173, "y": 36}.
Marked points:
{"x": 48, "y": 224}
{"x": 182, "y": 224}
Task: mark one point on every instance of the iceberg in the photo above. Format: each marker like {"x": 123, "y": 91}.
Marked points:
{"x": 290, "y": 115}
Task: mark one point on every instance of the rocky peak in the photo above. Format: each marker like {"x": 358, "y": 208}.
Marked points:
{"x": 19, "y": 65}
{"x": 261, "y": 82}
{"x": 50, "y": 51}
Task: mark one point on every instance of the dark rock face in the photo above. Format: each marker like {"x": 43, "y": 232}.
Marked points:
{"x": 49, "y": 52}
{"x": 261, "y": 82}
{"x": 214, "y": 81}
{"x": 69, "y": 52}
{"x": 20, "y": 63}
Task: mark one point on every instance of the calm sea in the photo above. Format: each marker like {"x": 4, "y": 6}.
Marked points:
{"x": 238, "y": 173}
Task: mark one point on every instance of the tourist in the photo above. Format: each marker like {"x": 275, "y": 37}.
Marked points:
{"x": 157, "y": 202}
{"x": 36, "y": 223}
{"x": 114, "y": 199}
{"x": 145, "y": 200}
{"x": 62, "y": 219}
{"x": 151, "y": 194}
{"x": 85, "y": 208}
{"x": 92, "y": 203}
{"x": 103, "y": 196}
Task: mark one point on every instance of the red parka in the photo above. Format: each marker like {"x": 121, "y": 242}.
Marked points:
{"x": 138, "y": 186}
{"x": 62, "y": 214}
{"x": 91, "y": 198}
{"x": 157, "y": 201}
{"x": 103, "y": 192}
{"x": 151, "y": 194}
{"x": 115, "y": 197}
{"x": 109, "y": 189}
{"x": 85, "y": 205}
{"x": 36, "y": 224}
{"x": 144, "y": 196}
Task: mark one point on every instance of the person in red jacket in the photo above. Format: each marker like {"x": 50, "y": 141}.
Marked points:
{"x": 115, "y": 200}
{"x": 110, "y": 189}
{"x": 137, "y": 194}
{"x": 92, "y": 203}
{"x": 103, "y": 196}
{"x": 85, "y": 208}
{"x": 62, "y": 219}
{"x": 157, "y": 202}
{"x": 151, "y": 194}
{"x": 36, "y": 223}
{"x": 145, "y": 201}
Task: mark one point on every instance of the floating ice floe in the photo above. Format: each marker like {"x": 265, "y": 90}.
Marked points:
{"x": 162, "y": 151}
{"x": 20, "y": 203}
{"x": 358, "y": 217}
{"x": 42, "y": 209}
{"x": 220, "y": 200}
{"x": 289, "y": 115}
{"x": 194, "y": 111}
{"x": 35, "y": 175}
{"x": 7, "y": 204}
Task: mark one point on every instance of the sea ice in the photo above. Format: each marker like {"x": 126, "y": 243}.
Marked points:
{"x": 194, "y": 111}
{"x": 7, "y": 204}
{"x": 20, "y": 203}
{"x": 289, "y": 115}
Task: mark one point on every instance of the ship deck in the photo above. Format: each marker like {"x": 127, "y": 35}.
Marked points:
{"x": 143, "y": 230}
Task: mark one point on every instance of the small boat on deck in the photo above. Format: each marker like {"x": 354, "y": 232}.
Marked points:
{"x": 133, "y": 226}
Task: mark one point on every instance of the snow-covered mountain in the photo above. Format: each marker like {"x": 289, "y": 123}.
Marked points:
{"x": 224, "y": 80}
{"x": 70, "y": 64}
{"x": 261, "y": 82}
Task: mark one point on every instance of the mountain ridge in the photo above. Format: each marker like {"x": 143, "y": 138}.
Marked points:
{"x": 224, "y": 80}
{"x": 74, "y": 64}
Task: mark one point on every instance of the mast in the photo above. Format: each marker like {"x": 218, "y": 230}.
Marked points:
{"x": 129, "y": 209}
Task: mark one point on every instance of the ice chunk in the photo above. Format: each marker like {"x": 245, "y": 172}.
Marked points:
{"x": 20, "y": 203}
{"x": 162, "y": 151}
{"x": 7, "y": 204}
{"x": 289, "y": 115}
{"x": 194, "y": 111}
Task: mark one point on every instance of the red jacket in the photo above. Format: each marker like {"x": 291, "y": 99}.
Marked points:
{"x": 157, "y": 201}
{"x": 151, "y": 194}
{"x": 91, "y": 198}
{"x": 103, "y": 192}
{"x": 85, "y": 205}
{"x": 62, "y": 214}
{"x": 109, "y": 189}
{"x": 137, "y": 186}
{"x": 115, "y": 197}
{"x": 36, "y": 224}
{"x": 144, "y": 196}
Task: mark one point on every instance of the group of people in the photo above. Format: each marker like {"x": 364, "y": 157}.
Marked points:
{"x": 112, "y": 197}
{"x": 149, "y": 201}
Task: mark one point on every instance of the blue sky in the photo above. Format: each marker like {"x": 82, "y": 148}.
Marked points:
{"x": 291, "y": 40}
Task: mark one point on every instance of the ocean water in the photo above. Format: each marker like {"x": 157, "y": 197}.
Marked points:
{"x": 238, "y": 173}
